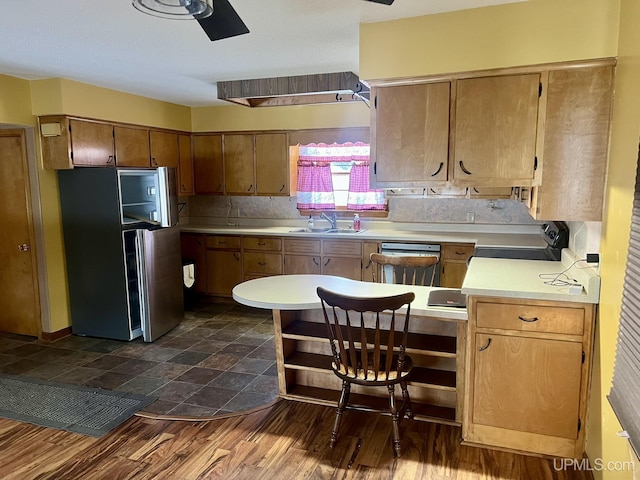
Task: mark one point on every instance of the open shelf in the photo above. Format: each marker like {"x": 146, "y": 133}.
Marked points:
{"x": 422, "y": 376}
{"x": 435, "y": 345}
{"x": 421, "y": 411}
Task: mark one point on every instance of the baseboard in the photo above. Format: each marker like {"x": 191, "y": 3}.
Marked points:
{"x": 53, "y": 336}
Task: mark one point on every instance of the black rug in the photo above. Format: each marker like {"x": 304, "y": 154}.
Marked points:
{"x": 90, "y": 411}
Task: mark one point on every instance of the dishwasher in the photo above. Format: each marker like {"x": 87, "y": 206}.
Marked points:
{"x": 415, "y": 249}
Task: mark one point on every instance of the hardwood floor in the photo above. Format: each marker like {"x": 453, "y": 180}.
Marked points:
{"x": 288, "y": 440}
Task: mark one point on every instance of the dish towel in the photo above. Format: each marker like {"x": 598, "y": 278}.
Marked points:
{"x": 188, "y": 275}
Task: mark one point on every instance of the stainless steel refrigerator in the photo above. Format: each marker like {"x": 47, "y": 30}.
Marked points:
{"x": 122, "y": 249}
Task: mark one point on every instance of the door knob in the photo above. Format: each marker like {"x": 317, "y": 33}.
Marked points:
{"x": 23, "y": 247}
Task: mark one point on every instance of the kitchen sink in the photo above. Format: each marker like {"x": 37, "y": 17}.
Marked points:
{"x": 332, "y": 231}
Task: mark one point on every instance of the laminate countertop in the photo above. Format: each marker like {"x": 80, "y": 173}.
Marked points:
{"x": 570, "y": 280}
{"x": 482, "y": 237}
{"x": 298, "y": 292}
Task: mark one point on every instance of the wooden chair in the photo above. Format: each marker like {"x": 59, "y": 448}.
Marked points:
{"x": 405, "y": 269}
{"x": 369, "y": 349}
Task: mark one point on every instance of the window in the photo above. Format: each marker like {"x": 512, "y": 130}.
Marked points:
{"x": 625, "y": 392}
{"x": 336, "y": 177}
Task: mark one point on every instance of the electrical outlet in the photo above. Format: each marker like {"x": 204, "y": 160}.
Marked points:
{"x": 471, "y": 217}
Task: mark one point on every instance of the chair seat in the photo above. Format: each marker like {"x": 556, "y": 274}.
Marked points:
{"x": 368, "y": 376}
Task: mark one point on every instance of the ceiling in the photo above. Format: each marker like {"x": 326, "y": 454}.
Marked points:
{"x": 110, "y": 44}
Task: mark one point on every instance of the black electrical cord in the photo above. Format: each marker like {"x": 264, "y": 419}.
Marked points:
{"x": 554, "y": 279}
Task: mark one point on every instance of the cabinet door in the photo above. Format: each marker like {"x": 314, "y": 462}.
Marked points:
{"x": 575, "y": 144}
{"x": 207, "y": 164}
{"x": 495, "y": 128}
{"x": 453, "y": 264}
{"x": 527, "y": 384}
{"x": 272, "y": 164}
{"x": 410, "y": 134}
{"x": 238, "y": 164}
{"x": 131, "y": 146}
{"x": 224, "y": 271}
{"x": 348, "y": 267}
{"x": 185, "y": 169}
{"x": 164, "y": 149}
{"x": 299, "y": 264}
{"x": 192, "y": 248}
{"x": 92, "y": 143}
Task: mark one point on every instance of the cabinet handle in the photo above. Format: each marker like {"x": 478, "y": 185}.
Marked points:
{"x": 282, "y": 188}
{"x": 368, "y": 265}
{"x": 438, "y": 170}
{"x": 528, "y": 320}
{"x": 154, "y": 161}
{"x": 459, "y": 253}
{"x": 219, "y": 187}
{"x": 110, "y": 159}
{"x": 327, "y": 262}
{"x": 464, "y": 169}
{"x": 261, "y": 243}
{"x": 222, "y": 242}
{"x": 184, "y": 188}
{"x": 262, "y": 264}
{"x": 236, "y": 256}
{"x": 315, "y": 262}
{"x": 485, "y": 346}
{"x": 250, "y": 188}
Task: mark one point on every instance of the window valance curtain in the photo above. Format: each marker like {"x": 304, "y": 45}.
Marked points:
{"x": 315, "y": 185}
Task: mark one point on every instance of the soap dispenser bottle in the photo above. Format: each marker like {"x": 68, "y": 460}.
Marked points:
{"x": 310, "y": 223}
{"x": 356, "y": 222}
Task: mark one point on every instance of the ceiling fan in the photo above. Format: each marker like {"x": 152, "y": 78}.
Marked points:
{"x": 217, "y": 18}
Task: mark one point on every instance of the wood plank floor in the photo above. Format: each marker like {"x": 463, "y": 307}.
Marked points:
{"x": 285, "y": 441}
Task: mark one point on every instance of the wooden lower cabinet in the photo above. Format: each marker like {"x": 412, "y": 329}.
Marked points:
{"x": 453, "y": 263}
{"x": 223, "y": 264}
{"x": 342, "y": 258}
{"x": 437, "y": 348}
{"x": 261, "y": 257}
{"x": 528, "y": 373}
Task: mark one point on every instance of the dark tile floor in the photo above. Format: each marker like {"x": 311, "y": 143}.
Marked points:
{"x": 220, "y": 359}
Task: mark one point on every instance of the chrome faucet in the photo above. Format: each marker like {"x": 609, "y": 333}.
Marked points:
{"x": 333, "y": 219}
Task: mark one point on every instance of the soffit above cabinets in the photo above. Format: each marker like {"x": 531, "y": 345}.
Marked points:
{"x": 320, "y": 88}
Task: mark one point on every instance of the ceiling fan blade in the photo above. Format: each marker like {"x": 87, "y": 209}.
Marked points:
{"x": 384, "y": 2}
{"x": 223, "y": 23}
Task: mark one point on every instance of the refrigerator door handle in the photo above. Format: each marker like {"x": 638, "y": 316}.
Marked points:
{"x": 142, "y": 281}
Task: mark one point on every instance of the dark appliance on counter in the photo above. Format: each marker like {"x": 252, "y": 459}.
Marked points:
{"x": 122, "y": 248}
{"x": 555, "y": 235}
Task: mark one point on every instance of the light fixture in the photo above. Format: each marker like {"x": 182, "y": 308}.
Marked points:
{"x": 175, "y": 9}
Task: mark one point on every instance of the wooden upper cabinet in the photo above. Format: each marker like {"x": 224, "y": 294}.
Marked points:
{"x": 208, "y": 172}
{"x": 92, "y": 143}
{"x": 576, "y": 142}
{"x": 410, "y": 134}
{"x": 131, "y": 146}
{"x": 185, "y": 168}
{"x": 272, "y": 164}
{"x": 239, "y": 164}
{"x": 495, "y": 129}
{"x": 164, "y": 149}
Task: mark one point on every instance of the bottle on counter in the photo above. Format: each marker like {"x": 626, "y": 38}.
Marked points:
{"x": 310, "y": 223}
{"x": 356, "y": 222}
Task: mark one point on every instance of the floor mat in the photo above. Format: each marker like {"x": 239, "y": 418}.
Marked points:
{"x": 89, "y": 411}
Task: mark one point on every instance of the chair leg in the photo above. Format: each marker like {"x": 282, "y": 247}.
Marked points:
{"x": 406, "y": 401}
{"x": 394, "y": 417}
{"x": 342, "y": 403}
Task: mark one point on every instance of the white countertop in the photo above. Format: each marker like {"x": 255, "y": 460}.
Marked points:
{"x": 480, "y": 238}
{"x": 499, "y": 277}
{"x": 298, "y": 292}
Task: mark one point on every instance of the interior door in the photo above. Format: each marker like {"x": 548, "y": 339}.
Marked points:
{"x": 19, "y": 300}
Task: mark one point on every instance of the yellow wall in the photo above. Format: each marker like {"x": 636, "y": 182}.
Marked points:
{"x": 527, "y": 33}
{"x": 603, "y": 425}
{"x": 236, "y": 117}
{"x": 15, "y": 101}
{"x": 57, "y": 95}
